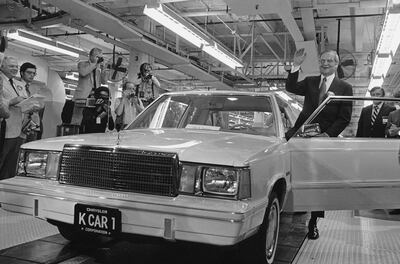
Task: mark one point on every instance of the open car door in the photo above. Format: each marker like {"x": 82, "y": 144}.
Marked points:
{"x": 344, "y": 172}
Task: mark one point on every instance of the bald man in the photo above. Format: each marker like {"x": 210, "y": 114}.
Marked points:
{"x": 13, "y": 92}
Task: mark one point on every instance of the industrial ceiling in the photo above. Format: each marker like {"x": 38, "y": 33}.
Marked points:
{"x": 264, "y": 34}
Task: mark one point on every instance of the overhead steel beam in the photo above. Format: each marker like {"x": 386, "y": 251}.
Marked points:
{"x": 171, "y": 1}
{"x": 205, "y": 13}
{"x": 355, "y": 4}
{"x": 79, "y": 25}
{"x": 307, "y": 16}
{"x": 256, "y": 7}
{"x": 284, "y": 10}
{"x": 132, "y": 37}
{"x": 270, "y": 48}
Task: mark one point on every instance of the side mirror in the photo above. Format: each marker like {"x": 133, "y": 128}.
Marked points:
{"x": 309, "y": 130}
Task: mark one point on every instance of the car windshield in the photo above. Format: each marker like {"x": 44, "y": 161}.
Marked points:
{"x": 250, "y": 114}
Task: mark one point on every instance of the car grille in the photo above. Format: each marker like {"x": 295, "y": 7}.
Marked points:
{"x": 120, "y": 169}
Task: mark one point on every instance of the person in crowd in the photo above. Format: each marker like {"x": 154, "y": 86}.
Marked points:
{"x": 128, "y": 106}
{"x": 98, "y": 118}
{"x": 13, "y": 93}
{"x": 332, "y": 120}
{"x": 373, "y": 118}
{"x": 28, "y": 73}
{"x": 392, "y": 128}
{"x": 4, "y": 112}
{"x": 148, "y": 87}
{"x": 91, "y": 76}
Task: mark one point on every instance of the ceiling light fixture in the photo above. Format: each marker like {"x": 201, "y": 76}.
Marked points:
{"x": 389, "y": 41}
{"x": 177, "y": 24}
{"x": 43, "y": 42}
{"x": 381, "y": 64}
{"x": 217, "y": 52}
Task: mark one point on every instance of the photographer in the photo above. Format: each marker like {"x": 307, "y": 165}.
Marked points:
{"x": 97, "y": 118}
{"x": 91, "y": 76}
{"x": 127, "y": 107}
{"x": 147, "y": 87}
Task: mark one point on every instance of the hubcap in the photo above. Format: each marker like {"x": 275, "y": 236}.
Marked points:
{"x": 272, "y": 231}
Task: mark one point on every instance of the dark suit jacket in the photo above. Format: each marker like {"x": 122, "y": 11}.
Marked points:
{"x": 365, "y": 129}
{"x": 335, "y": 116}
{"x": 394, "y": 118}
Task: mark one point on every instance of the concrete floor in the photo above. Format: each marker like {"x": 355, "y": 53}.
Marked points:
{"x": 26, "y": 240}
{"x": 346, "y": 237}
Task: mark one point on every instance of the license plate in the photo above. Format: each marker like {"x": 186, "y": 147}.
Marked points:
{"x": 99, "y": 220}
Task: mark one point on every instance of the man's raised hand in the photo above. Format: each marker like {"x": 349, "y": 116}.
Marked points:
{"x": 299, "y": 56}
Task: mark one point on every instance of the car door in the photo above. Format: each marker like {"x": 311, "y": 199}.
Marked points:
{"x": 344, "y": 172}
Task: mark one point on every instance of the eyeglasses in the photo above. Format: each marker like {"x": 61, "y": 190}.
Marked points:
{"x": 329, "y": 61}
{"x": 31, "y": 73}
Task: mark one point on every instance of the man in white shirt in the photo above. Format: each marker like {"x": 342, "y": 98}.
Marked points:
{"x": 13, "y": 93}
{"x": 91, "y": 76}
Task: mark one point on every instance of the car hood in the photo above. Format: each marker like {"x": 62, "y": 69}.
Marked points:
{"x": 202, "y": 146}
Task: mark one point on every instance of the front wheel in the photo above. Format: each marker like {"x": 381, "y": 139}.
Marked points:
{"x": 261, "y": 248}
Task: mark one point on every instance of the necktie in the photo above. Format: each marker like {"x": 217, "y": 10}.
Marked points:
{"x": 374, "y": 114}
{"x": 322, "y": 90}
{"x": 12, "y": 84}
{"x": 94, "y": 79}
{"x": 27, "y": 89}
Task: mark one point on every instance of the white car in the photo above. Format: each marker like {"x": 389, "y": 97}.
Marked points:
{"x": 207, "y": 167}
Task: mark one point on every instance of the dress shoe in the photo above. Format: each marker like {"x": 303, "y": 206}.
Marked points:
{"x": 313, "y": 232}
{"x": 395, "y": 212}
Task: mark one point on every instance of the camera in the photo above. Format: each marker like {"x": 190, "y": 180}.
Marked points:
{"x": 147, "y": 77}
{"x": 141, "y": 94}
{"x": 29, "y": 127}
{"x": 100, "y": 59}
{"x": 129, "y": 93}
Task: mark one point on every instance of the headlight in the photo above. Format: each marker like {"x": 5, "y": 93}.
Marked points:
{"x": 220, "y": 181}
{"x": 215, "y": 181}
{"x": 38, "y": 163}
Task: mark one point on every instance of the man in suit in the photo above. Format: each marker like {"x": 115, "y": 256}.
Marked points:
{"x": 334, "y": 118}
{"x": 4, "y": 112}
{"x": 13, "y": 93}
{"x": 28, "y": 73}
{"x": 374, "y": 117}
{"x": 392, "y": 129}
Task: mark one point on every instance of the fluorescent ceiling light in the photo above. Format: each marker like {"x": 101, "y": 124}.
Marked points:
{"x": 388, "y": 44}
{"x": 377, "y": 81}
{"x": 226, "y": 59}
{"x": 390, "y": 37}
{"x": 381, "y": 65}
{"x": 297, "y": 106}
{"x": 284, "y": 96}
{"x": 175, "y": 23}
{"x": 43, "y": 42}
